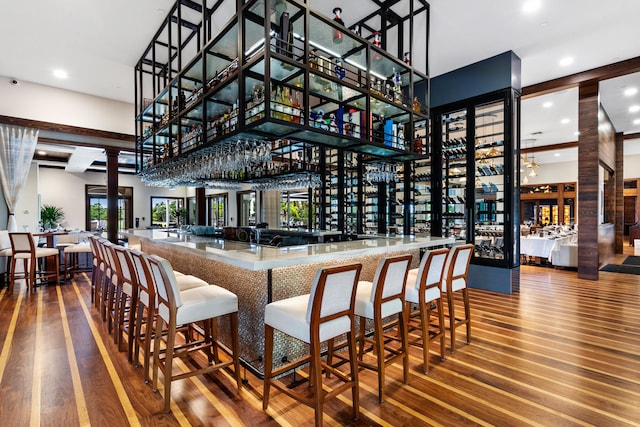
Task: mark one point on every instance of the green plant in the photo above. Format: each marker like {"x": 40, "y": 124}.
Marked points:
{"x": 50, "y": 216}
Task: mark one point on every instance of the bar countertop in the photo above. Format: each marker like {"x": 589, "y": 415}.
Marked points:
{"x": 256, "y": 257}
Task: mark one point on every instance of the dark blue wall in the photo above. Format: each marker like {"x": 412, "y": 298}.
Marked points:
{"x": 492, "y": 74}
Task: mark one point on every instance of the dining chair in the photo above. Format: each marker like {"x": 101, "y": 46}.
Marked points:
{"x": 23, "y": 247}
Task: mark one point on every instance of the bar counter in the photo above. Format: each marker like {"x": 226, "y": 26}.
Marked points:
{"x": 259, "y": 274}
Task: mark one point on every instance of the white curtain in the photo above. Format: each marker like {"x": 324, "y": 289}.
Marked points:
{"x": 17, "y": 145}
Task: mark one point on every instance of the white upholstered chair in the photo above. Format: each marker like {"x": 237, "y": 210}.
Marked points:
{"x": 23, "y": 248}
{"x": 382, "y": 298}
{"x": 324, "y": 314}
{"x": 423, "y": 290}
{"x": 203, "y": 304}
{"x": 455, "y": 281}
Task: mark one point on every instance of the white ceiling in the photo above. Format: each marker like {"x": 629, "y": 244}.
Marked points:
{"x": 98, "y": 43}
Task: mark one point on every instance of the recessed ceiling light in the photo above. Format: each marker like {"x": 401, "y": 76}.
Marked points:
{"x": 42, "y": 153}
{"x": 576, "y": 133}
{"x": 568, "y": 60}
{"x": 634, "y": 108}
{"x": 61, "y": 74}
{"x": 636, "y": 122}
{"x": 548, "y": 104}
{"x": 565, "y": 121}
{"x": 531, "y": 6}
{"x": 630, "y": 91}
{"x": 556, "y": 155}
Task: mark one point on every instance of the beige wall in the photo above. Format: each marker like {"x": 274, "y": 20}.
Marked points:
{"x": 67, "y": 191}
{"x": 44, "y": 103}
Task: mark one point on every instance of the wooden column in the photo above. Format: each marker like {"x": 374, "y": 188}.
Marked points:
{"x": 619, "y": 189}
{"x": 112, "y": 194}
{"x": 201, "y": 207}
{"x": 588, "y": 163}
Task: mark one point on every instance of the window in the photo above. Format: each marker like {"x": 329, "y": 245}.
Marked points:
{"x": 96, "y": 207}
{"x": 295, "y": 207}
{"x": 167, "y": 212}
{"x": 217, "y": 210}
{"x": 192, "y": 214}
{"x": 246, "y": 208}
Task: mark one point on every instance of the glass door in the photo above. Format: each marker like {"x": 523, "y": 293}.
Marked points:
{"x": 247, "y": 209}
{"x": 454, "y": 174}
{"x": 488, "y": 206}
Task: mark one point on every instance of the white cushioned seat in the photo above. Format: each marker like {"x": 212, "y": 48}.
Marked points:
{"x": 411, "y": 293}
{"x": 187, "y": 281}
{"x": 325, "y": 313}
{"x": 377, "y": 300}
{"x": 200, "y": 304}
{"x": 423, "y": 289}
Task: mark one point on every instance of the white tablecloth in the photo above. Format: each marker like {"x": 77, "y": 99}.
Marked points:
{"x": 542, "y": 246}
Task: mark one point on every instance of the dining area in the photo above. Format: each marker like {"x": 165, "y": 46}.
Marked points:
{"x": 543, "y": 247}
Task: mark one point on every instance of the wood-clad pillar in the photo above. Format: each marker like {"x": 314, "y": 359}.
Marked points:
{"x": 201, "y": 207}
{"x": 588, "y": 163}
{"x": 619, "y": 189}
{"x": 112, "y": 193}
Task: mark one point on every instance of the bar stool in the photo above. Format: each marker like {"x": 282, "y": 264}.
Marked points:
{"x": 111, "y": 287}
{"x": 455, "y": 280}
{"x": 324, "y": 314}
{"x": 24, "y": 248}
{"x": 145, "y": 305}
{"x": 382, "y": 298}
{"x": 126, "y": 299}
{"x": 71, "y": 257}
{"x": 423, "y": 289}
{"x": 93, "y": 244}
{"x": 145, "y": 308}
{"x": 5, "y": 252}
{"x": 202, "y": 304}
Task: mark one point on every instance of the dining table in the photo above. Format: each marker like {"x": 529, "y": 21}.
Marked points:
{"x": 543, "y": 246}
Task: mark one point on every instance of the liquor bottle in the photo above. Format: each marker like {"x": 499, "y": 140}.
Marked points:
{"x": 287, "y": 104}
{"x": 339, "y": 69}
{"x": 337, "y": 34}
{"x": 407, "y": 58}
{"x": 296, "y": 108}
{"x": 377, "y": 39}
{"x": 313, "y": 59}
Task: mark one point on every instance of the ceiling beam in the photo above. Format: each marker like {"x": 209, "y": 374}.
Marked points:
{"x": 550, "y": 147}
{"x": 74, "y": 130}
{"x": 610, "y": 71}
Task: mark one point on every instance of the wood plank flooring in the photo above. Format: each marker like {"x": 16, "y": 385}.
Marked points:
{"x": 563, "y": 351}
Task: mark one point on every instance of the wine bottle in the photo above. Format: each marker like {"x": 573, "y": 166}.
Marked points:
{"x": 337, "y": 34}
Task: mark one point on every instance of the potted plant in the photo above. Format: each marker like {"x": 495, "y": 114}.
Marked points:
{"x": 50, "y": 216}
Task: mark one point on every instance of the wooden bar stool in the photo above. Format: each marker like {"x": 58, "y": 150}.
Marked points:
{"x": 203, "y": 305}
{"x": 377, "y": 300}
{"x": 5, "y": 252}
{"x": 24, "y": 248}
{"x": 324, "y": 314}
{"x": 126, "y": 299}
{"x": 456, "y": 280}
{"x": 423, "y": 289}
{"x": 71, "y": 254}
{"x": 95, "y": 252}
{"x": 145, "y": 311}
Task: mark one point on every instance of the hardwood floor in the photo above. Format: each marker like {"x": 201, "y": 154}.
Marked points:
{"x": 563, "y": 351}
